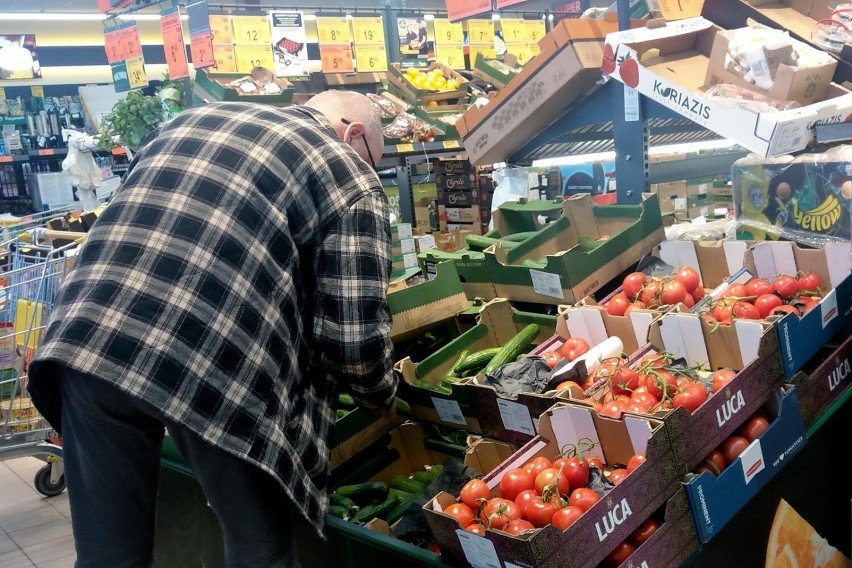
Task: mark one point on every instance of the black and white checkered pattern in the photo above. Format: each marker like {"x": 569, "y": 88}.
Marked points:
{"x": 237, "y": 278}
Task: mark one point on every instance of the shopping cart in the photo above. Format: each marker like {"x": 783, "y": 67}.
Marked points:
{"x": 28, "y": 290}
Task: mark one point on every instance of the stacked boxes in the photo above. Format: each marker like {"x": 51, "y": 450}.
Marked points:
{"x": 404, "y": 249}
{"x": 458, "y": 196}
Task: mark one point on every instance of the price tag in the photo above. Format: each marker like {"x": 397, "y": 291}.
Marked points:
{"x": 173, "y": 44}
{"x": 333, "y": 30}
{"x": 535, "y": 29}
{"x": 450, "y": 55}
{"x": 631, "y": 105}
{"x": 37, "y": 91}
{"x": 336, "y": 58}
{"x": 487, "y": 52}
{"x": 516, "y": 417}
{"x": 450, "y": 144}
{"x": 113, "y": 46}
{"x": 447, "y": 32}
{"x": 252, "y": 30}
{"x": 448, "y": 410}
{"x": 460, "y": 9}
{"x": 368, "y": 30}
{"x": 136, "y": 72}
{"x": 226, "y": 62}
{"x": 371, "y": 58}
{"x": 4, "y": 159}
{"x": 546, "y": 284}
{"x": 522, "y": 51}
{"x": 514, "y": 30}
{"x": 130, "y": 40}
{"x": 201, "y": 51}
{"x": 480, "y": 31}
{"x": 250, "y": 56}
{"x": 220, "y": 27}
{"x": 478, "y": 550}
{"x": 404, "y": 148}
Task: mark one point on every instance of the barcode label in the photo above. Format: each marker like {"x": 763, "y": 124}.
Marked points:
{"x": 516, "y": 417}
{"x": 449, "y": 411}
{"x": 478, "y": 550}
{"x": 546, "y": 284}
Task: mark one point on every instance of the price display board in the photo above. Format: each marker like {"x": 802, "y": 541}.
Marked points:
{"x": 523, "y": 51}
{"x": 536, "y": 30}
{"x": 336, "y": 58}
{"x": 250, "y": 56}
{"x": 173, "y": 43}
{"x": 221, "y": 30}
{"x": 226, "y": 61}
{"x": 449, "y": 43}
{"x": 480, "y": 31}
{"x": 136, "y": 72}
{"x": 130, "y": 40}
{"x": 487, "y": 51}
{"x": 368, "y": 35}
{"x": 514, "y": 30}
{"x": 251, "y": 30}
{"x": 461, "y": 9}
{"x": 451, "y": 55}
{"x": 333, "y": 30}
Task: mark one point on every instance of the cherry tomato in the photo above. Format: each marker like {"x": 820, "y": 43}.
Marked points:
{"x": 473, "y": 491}
{"x": 644, "y": 397}
{"x": 498, "y": 512}
{"x": 633, "y": 283}
{"x": 754, "y": 427}
{"x": 567, "y": 516}
{"x": 551, "y": 476}
{"x": 785, "y": 286}
{"x": 765, "y": 303}
{"x": 619, "y": 556}
{"x": 569, "y": 385}
{"x": 689, "y": 277}
{"x": 584, "y": 498}
{"x": 524, "y": 497}
{"x": 661, "y": 383}
{"x": 551, "y": 358}
{"x": 673, "y": 293}
{"x": 635, "y": 461}
{"x": 736, "y": 290}
{"x": 650, "y": 294}
{"x": 809, "y": 282}
{"x": 540, "y": 513}
{"x": 574, "y": 347}
{"x": 721, "y": 378}
{"x": 644, "y": 532}
{"x": 715, "y": 457}
{"x": 758, "y": 287}
{"x": 617, "y": 305}
{"x": 616, "y": 476}
{"x": 518, "y": 526}
{"x": 461, "y": 513}
{"x": 476, "y": 527}
{"x": 691, "y": 397}
{"x": 722, "y": 310}
{"x": 783, "y": 310}
{"x": 688, "y": 300}
{"x": 634, "y": 306}
{"x": 745, "y": 310}
{"x": 514, "y": 482}
{"x": 576, "y": 469}
{"x": 625, "y": 380}
{"x": 536, "y": 465}
{"x": 595, "y": 462}
{"x": 732, "y": 447}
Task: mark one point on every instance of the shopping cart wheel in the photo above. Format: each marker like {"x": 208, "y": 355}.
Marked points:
{"x": 45, "y": 486}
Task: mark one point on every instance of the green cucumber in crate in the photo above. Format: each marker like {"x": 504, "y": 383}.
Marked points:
{"x": 476, "y": 361}
{"x": 376, "y": 510}
{"x": 407, "y": 484}
{"x": 513, "y": 348}
{"x": 364, "y": 493}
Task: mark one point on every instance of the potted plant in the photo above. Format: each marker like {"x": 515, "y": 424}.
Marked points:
{"x": 138, "y": 114}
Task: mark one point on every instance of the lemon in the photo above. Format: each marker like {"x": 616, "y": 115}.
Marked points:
{"x": 438, "y": 72}
{"x": 432, "y": 104}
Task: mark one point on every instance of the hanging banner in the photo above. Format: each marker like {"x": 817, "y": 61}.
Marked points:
{"x": 461, "y": 9}
{"x": 288, "y": 44}
{"x": 119, "y": 76}
{"x": 573, "y": 9}
{"x": 112, "y": 44}
{"x": 108, "y": 5}
{"x": 416, "y": 48}
{"x": 173, "y": 43}
{"x": 129, "y": 35}
{"x": 200, "y": 37}
{"x": 371, "y": 54}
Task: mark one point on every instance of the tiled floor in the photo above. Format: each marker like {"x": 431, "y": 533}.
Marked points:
{"x": 35, "y": 531}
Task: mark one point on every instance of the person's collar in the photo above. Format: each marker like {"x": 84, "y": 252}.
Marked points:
{"x": 315, "y": 114}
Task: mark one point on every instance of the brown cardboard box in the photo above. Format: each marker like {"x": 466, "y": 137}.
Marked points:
{"x": 459, "y": 214}
{"x": 672, "y": 195}
{"x": 805, "y": 86}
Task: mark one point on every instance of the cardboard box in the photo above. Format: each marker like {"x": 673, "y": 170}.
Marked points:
{"x": 403, "y": 246}
{"x": 566, "y": 69}
{"x": 672, "y": 195}
{"x": 404, "y": 261}
{"x": 397, "y": 77}
{"x": 211, "y": 87}
{"x": 417, "y": 308}
{"x": 500, "y": 418}
{"x": 453, "y": 166}
{"x": 823, "y": 379}
{"x": 602, "y": 527}
{"x": 355, "y": 432}
{"x": 483, "y": 454}
{"x": 424, "y": 242}
{"x": 459, "y": 214}
{"x": 699, "y": 186}
{"x": 458, "y": 198}
{"x": 526, "y": 215}
{"x": 805, "y": 86}
{"x": 579, "y": 253}
{"x": 401, "y": 231}
{"x": 426, "y": 215}
{"x": 21, "y": 409}
{"x": 699, "y": 206}
{"x": 715, "y": 500}
{"x": 471, "y": 226}
{"x": 675, "y": 78}
{"x": 455, "y": 182}
{"x": 498, "y": 73}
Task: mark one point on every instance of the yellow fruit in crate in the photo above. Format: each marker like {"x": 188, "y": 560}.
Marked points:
{"x": 438, "y": 72}
{"x": 441, "y": 82}
{"x": 452, "y": 85}
{"x": 412, "y": 72}
{"x": 431, "y": 104}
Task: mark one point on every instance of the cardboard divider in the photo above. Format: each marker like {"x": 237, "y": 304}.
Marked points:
{"x": 607, "y": 523}
{"x": 824, "y": 379}
{"x": 355, "y": 432}
{"x": 715, "y": 500}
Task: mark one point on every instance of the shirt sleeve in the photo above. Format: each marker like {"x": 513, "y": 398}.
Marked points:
{"x": 352, "y": 320}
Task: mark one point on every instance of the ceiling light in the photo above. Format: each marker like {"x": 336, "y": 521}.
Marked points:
{"x": 575, "y": 160}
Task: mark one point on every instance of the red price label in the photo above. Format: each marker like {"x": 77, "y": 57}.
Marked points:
{"x": 113, "y": 46}
{"x": 461, "y": 9}
{"x": 201, "y": 50}
{"x": 336, "y": 58}
{"x": 173, "y": 45}
{"x": 130, "y": 40}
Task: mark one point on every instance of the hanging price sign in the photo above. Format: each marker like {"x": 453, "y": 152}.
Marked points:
{"x": 225, "y": 61}
{"x": 447, "y": 32}
{"x": 130, "y": 40}
{"x": 173, "y": 44}
{"x": 220, "y": 27}
{"x": 461, "y": 9}
{"x": 480, "y": 31}
{"x": 333, "y": 30}
{"x": 487, "y": 51}
{"x": 336, "y": 58}
{"x": 514, "y": 30}
{"x": 506, "y": 3}
{"x": 368, "y": 31}
{"x": 535, "y": 29}
{"x": 36, "y": 91}
{"x": 201, "y": 51}
{"x": 112, "y": 44}
{"x": 136, "y": 72}
{"x": 523, "y": 51}
{"x": 371, "y": 58}
{"x": 251, "y": 30}
{"x": 250, "y": 56}
{"x": 451, "y": 55}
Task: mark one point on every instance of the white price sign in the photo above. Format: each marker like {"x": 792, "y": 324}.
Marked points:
{"x": 547, "y": 284}
{"x": 448, "y": 410}
{"x": 516, "y": 417}
{"x": 478, "y": 550}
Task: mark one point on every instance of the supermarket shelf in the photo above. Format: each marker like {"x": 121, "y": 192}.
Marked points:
{"x": 692, "y": 167}
{"x": 398, "y": 151}
{"x": 13, "y": 120}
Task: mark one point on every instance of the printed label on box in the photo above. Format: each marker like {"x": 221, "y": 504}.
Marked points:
{"x": 409, "y": 260}
{"x": 478, "y": 550}
{"x": 406, "y": 246}
{"x": 631, "y": 105}
{"x": 679, "y": 203}
{"x": 516, "y": 417}
{"x": 547, "y": 284}
{"x": 426, "y": 242}
{"x": 828, "y": 307}
{"x": 403, "y": 231}
{"x": 448, "y": 410}
{"x": 752, "y": 461}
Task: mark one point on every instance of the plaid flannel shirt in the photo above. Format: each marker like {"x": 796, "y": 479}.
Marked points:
{"x": 235, "y": 282}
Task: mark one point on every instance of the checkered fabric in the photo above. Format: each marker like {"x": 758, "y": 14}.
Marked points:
{"x": 236, "y": 282}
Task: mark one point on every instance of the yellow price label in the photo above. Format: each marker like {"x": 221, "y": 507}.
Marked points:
{"x": 368, "y": 30}
{"x": 2, "y": 94}
{"x": 480, "y": 31}
{"x": 522, "y": 51}
{"x": 402, "y": 148}
{"x": 371, "y": 58}
{"x": 535, "y": 29}
{"x": 136, "y": 72}
{"x": 487, "y": 52}
{"x": 220, "y": 29}
{"x": 514, "y": 29}
{"x": 37, "y": 91}
{"x": 250, "y": 56}
{"x": 450, "y": 144}
{"x": 447, "y": 32}
{"x": 333, "y": 30}
{"x": 226, "y": 62}
{"x": 251, "y": 30}
{"x": 450, "y": 55}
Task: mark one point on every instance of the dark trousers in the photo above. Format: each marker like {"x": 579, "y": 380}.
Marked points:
{"x": 111, "y": 449}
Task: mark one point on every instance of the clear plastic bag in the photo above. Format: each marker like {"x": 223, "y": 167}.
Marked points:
{"x": 733, "y": 94}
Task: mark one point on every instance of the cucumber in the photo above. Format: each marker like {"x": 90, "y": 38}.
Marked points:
{"x": 341, "y": 413}
{"x": 429, "y": 386}
{"x": 462, "y": 356}
{"x": 403, "y": 495}
{"x": 407, "y": 484}
{"x": 448, "y": 381}
{"x": 364, "y": 493}
{"x": 398, "y": 511}
{"x": 427, "y": 476}
{"x": 480, "y": 243}
{"x": 376, "y": 511}
{"x": 476, "y": 361}
{"x": 534, "y": 263}
{"x": 336, "y": 500}
{"x": 339, "y": 512}
{"x": 345, "y": 400}
{"x": 518, "y": 237}
{"x": 514, "y": 347}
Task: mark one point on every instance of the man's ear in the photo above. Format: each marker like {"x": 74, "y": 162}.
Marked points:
{"x": 356, "y": 129}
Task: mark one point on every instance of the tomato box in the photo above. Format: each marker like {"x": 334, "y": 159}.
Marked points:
{"x": 823, "y": 379}
{"x": 602, "y": 527}
{"x": 578, "y": 253}
{"x": 715, "y": 500}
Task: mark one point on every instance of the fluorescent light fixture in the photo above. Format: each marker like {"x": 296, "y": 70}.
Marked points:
{"x": 574, "y": 160}
{"x": 39, "y": 16}
{"x": 495, "y": 16}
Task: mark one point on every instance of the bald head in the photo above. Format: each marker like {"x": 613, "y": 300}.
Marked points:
{"x": 355, "y": 119}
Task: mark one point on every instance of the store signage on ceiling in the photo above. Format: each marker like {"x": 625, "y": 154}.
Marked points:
{"x": 461, "y": 9}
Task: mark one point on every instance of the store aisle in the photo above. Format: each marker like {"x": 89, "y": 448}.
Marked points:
{"x": 35, "y": 531}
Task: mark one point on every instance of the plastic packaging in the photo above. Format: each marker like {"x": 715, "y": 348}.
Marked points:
{"x": 833, "y": 33}
{"x": 511, "y": 185}
{"x": 745, "y": 98}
